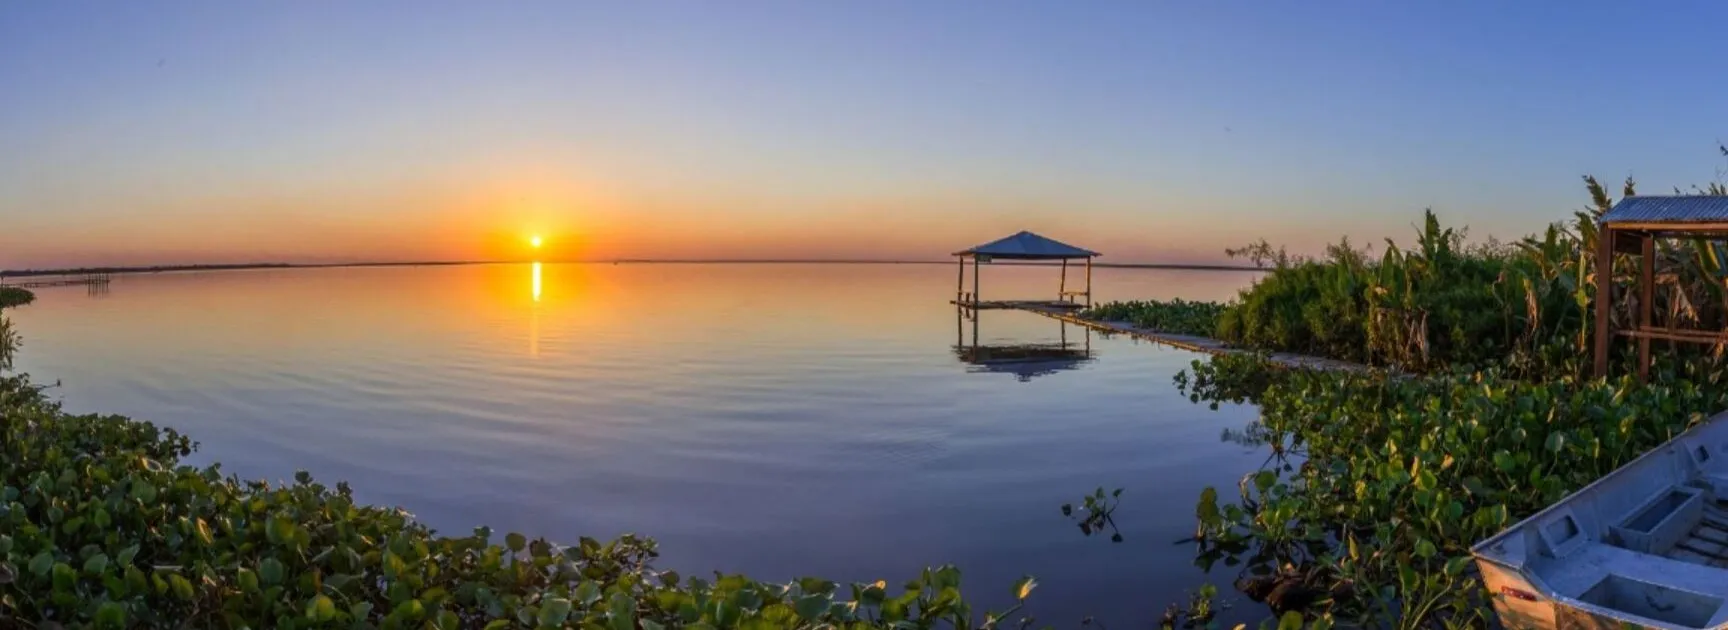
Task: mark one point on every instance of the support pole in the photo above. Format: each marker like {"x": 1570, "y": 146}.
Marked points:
{"x": 1062, "y": 289}
{"x": 960, "y": 282}
{"x": 1646, "y": 297}
{"x": 1604, "y": 295}
{"x": 1088, "y": 282}
{"x": 974, "y": 291}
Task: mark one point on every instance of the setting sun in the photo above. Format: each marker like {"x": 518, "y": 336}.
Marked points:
{"x": 535, "y": 241}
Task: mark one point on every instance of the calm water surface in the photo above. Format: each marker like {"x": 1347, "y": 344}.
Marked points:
{"x": 776, "y": 420}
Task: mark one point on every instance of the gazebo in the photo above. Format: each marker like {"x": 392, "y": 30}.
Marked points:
{"x": 1632, "y": 227}
{"x": 1024, "y": 246}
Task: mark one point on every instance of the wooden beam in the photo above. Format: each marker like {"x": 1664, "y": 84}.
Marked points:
{"x": 1676, "y": 334}
{"x": 1604, "y": 296}
{"x": 1719, "y": 227}
{"x": 1646, "y": 293}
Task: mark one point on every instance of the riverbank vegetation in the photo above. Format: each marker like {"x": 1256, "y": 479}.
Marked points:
{"x": 1177, "y": 316}
{"x": 14, "y": 296}
{"x": 102, "y": 526}
{"x": 10, "y": 297}
{"x": 1381, "y": 481}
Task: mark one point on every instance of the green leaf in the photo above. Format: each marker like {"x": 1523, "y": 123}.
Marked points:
{"x": 1264, "y": 479}
{"x": 498, "y": 624}
{"x": 649, "y": 624}
{"x": 110, "y": 615}
{"x": 587, "y": 593}
{"x": 1505, "y": 461}
{"x": 321, "y": 609}
{"x": 181, "y": 586}
{"x": 1425, "y": 549}
{"x": 1425, "y": 480}
{"x": 515, "y": 542}
{"x": 553, "y": 611}
{"x": 1456, "y": 565}
{"x": 97, "y": 564}
{"x": 65, "y": 579}
{"x": 1556, "y": 441}
{"x": 1290, "y": 621}
{"x": 40, "y": 564}
{"x": 1207, "y": 509}
{"x": 622, "y": 609}
{"x": 272, "y": 571}
{"x": 446, "y": 620}
{"x": 412, "y": 609}
{"x": 126, "y": 555}
{"x": 811, "y": 607}
{"x": 1023, "y": 588}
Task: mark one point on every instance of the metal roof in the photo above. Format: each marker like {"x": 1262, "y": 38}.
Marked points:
{"x": 1027, "y": 246}
{"x": 1669, "y": 209}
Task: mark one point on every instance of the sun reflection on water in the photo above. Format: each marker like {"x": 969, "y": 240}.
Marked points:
{"x": 534, "y": 316}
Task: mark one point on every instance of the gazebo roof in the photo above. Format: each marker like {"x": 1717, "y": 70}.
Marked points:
{"x": 1027, "y": 246}
{"x": 1669, "y": 209}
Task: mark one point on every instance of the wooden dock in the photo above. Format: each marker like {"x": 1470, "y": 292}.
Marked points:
{"x": 91, "y": 280}
{"x": 1067, "y": 312}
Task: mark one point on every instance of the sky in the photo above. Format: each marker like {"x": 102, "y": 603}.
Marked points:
{"x": 324, "y": 131}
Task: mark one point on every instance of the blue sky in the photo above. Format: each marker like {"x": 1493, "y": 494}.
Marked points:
{"x": 193, "y": 131}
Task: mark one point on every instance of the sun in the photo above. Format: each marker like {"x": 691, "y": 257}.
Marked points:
{"x": 535, "y": 241}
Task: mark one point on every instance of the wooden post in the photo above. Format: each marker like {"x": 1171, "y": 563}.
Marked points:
{"x": 974, "y": 292}
{"x": 1062, "y": 289}
{"x": 1604, "y": 295}
{"x": 1646, "y": 295}
{"x": 1088, "y": 281}
{"x": 960, "y": 283}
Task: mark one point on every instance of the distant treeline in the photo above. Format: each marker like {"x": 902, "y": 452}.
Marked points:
{"x": 10, "y": 273}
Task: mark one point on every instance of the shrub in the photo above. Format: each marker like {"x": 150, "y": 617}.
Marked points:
{"x": 100, "y": 526}
{"x": 14, "y": 296}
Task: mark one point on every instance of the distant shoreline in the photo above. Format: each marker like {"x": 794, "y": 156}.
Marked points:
{"x": 25, "y": 273}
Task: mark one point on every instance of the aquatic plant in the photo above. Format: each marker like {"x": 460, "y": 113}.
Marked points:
{"x": 9, "y": 343}
{"x": 101, "y": 526}
{"x": 1399, "y": 476}
{"x": 13, "y": 296}
{"x": 1097, "y": 511}
{"x": 1177, "y": 316}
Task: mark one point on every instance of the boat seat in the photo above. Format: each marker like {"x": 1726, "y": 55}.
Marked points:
{"x": 1578, "y": 572}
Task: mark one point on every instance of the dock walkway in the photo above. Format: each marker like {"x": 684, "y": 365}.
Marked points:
{"x": 1066, "y": 312}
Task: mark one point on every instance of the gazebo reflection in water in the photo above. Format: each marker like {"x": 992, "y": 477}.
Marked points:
{"x": 1025, "y": 361}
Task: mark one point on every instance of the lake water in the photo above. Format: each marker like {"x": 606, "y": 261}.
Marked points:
{"x": 776, "y": 420}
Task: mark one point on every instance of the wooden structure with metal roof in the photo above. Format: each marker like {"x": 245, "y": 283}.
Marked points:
{"x": 1024, "y": 246}
{"x": 1632, "y": 227}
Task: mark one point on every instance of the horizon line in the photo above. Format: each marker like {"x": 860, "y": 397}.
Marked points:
{"x": 139, "y": 269}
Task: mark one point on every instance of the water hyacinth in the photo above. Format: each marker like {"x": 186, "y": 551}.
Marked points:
{"x": 1380, "y": 484}
{"x": 1177, "y": 316}
{"x": 100, "y": 526}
